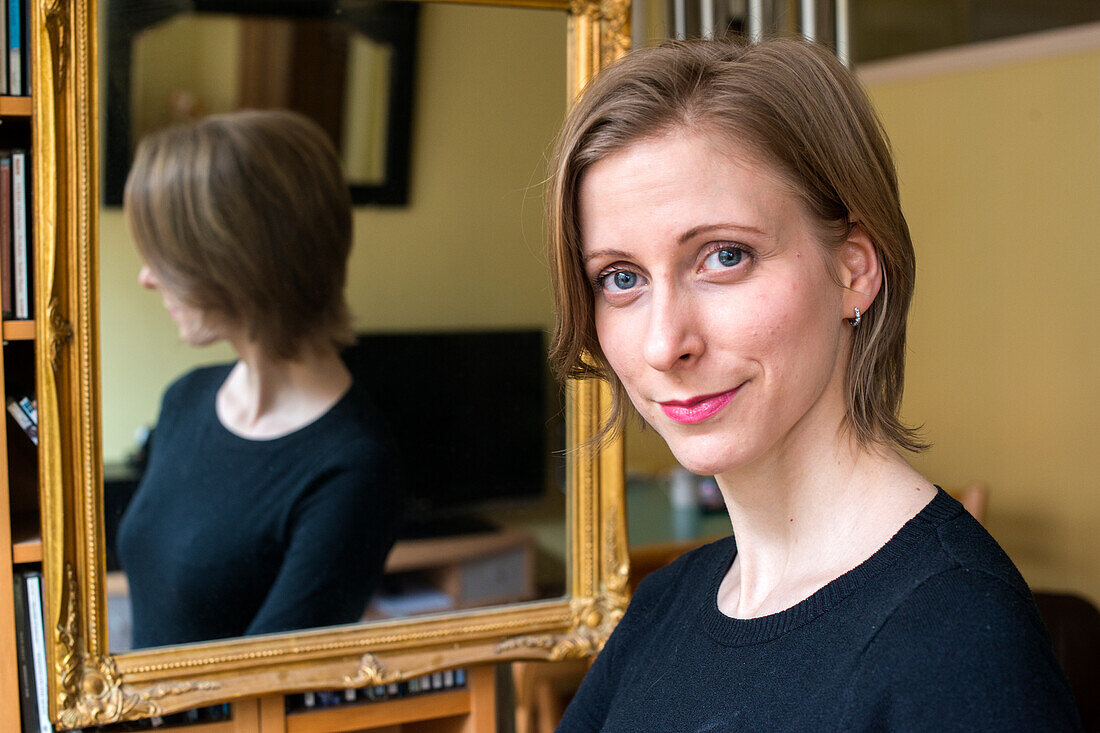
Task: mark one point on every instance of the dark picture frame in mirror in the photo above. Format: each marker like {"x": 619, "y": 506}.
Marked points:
{"x": 392, "y": 24}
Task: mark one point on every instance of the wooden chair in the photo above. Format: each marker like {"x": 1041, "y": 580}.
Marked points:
{"x": 647, "y": 558}
{"x": 973, "y": 497}
{"x": 543, "y": 689}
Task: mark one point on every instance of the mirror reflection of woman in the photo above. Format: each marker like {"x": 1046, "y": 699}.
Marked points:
{"x": 268, "y": 503}
{"x": 728, "y": 249}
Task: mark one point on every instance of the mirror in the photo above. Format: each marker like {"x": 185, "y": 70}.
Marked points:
{"x": 488, "y": 207}
{"x": 450, "y": 297}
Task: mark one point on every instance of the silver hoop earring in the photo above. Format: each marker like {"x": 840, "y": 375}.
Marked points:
{"x": 855, "y": 321}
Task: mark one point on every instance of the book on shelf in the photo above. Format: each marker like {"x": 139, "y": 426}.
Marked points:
{"x": 25, "y": 413}
{"x": 3, "y": 46}
{"x": 28, "y": 706}
{"x": 31, "y": 650}
{"x": 20, "y": 234}
{"x": 16, "y": 32}
{"x": 22, "y": 453}
{"x": 30, "y": 406}
{"x": 38, "y": 648}
{"x": 6, "y": 283}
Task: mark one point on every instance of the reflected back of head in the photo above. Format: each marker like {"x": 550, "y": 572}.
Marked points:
{"x": 248, "y": 215}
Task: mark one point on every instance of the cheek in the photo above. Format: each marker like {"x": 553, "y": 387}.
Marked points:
{"x": 620, "y": 338}
{"x": 785, "y": 323}
{"x": 612, "y": 332}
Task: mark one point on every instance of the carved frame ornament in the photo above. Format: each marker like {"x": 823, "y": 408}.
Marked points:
{"x": 88, "y": 685}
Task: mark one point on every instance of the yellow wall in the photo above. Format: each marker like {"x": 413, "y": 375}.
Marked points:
{"x": 189, "y": 52}
{"x": 1000, "y": 182}
{"x": 467, "y": 252}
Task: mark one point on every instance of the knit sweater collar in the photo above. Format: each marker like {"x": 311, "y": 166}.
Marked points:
{"x": 738, "y": 632}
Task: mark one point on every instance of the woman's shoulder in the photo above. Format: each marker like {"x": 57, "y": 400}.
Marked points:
{"x": 965, "y": 645}
{"x": 961, "y": 577}
{"x": 676, "y": 589}
{"x": 196, "y": 383}
{"x": 962, "y": 635}
{"x": 192, "y": 394}
{"x": 972, "y": 553}
{"x": 352, "y": 428}
{"x": 348, "y": 447}
{"x": 687, "y": 575}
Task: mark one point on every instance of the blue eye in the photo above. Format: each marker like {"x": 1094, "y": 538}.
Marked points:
{"x": 725, "y": 257}
{"x": 620, "y": 280}
{"x": 625, "y": 280}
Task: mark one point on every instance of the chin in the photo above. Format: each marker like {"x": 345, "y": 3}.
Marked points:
{"x": 199, "y": 339}
{"x": 710, "y": 455}
{"x": 705, "y": 466}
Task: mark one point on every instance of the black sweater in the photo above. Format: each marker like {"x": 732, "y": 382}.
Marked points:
{"x": 935, "y": 631}
{"x": 227, "y": 536}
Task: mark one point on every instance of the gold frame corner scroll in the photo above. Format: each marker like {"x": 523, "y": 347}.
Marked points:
{"x": 88, "y": 685}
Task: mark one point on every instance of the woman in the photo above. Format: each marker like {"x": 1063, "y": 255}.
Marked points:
{"x": 267, "y": 504}
{"x": 729, "y": 252}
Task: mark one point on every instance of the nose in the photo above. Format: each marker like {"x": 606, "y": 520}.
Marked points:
{"x": 673, "y": 338}
{"x": 147, "y": 279}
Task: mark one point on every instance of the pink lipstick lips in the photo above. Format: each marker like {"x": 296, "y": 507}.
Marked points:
{"x": 697, "y": 409}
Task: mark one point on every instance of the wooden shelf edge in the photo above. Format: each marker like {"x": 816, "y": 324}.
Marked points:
{"x": 18, "y": 330}
{"x": 26, "y": 551}
{"x": 15, "y": 106}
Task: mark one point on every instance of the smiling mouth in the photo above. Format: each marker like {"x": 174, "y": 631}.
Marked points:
{"x": 698, "y": 409}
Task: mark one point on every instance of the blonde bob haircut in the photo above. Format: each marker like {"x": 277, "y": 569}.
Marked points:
{"x": 247, "y": 215}
{"x": 794, "y": 107}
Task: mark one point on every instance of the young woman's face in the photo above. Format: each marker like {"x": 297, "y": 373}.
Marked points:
{"x": 197, "y": 326}
{"x": 713, "y": 302}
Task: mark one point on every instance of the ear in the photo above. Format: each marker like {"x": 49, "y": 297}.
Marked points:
{"x": 859, "y": 270}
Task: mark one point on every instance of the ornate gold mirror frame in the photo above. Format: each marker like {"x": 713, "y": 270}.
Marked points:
{"x": 88, "y": 685}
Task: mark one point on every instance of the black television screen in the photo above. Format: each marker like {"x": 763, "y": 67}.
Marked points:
{"x": 468, "y": 413}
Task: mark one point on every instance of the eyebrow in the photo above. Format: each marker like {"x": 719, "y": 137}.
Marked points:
{"x": 702, "y": 228}
{"x": 617, "y": 253}
{"x": 683, "y": 238}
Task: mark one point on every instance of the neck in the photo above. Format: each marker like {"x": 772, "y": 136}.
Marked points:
{"x": 264, "y": 396}
{"x": 810, "y": 510}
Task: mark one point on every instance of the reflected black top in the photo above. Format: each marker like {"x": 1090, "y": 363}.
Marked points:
{"x": 228, "y": 536}
{"x": 935, "y": 631}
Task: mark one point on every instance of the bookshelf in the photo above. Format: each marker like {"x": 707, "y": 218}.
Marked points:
{"x": 19, "y": 528}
